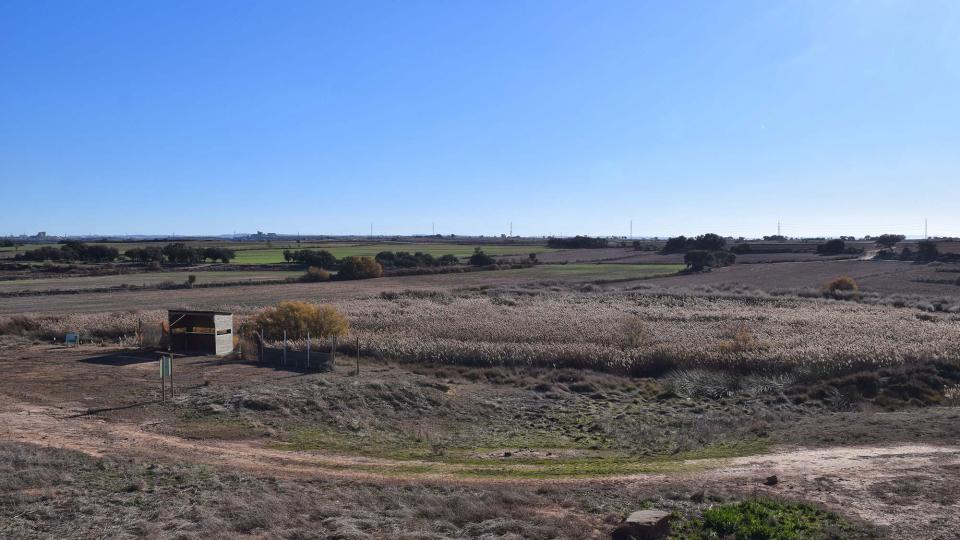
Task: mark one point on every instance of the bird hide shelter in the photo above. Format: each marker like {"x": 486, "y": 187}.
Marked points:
{"x": 201, "y": 332}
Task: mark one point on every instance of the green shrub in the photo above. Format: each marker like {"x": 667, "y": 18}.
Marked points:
{"x": 765, "y": 520}
{"x": 479, "y": 258}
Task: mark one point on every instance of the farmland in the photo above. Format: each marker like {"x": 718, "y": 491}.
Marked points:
{"x": 272, "y": 252}
{"x": 574, "y": 392}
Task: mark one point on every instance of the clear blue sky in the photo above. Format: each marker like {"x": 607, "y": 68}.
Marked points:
{"x": 192, "y": 117}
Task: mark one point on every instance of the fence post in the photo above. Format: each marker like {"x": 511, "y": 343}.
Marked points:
{"x": 333, "y": 351}
{"x": 308, "y": 350}
{"x": 358, "y": 356}
{"x": 284, "y": 347}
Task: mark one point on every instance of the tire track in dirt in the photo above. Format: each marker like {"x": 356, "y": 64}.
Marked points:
{"x": 843, "y": 478}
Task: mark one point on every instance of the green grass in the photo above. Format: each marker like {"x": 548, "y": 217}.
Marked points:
{"x": 764, "y": 520}
{"x": 463, "y": 461}
{"x": 602, "y": 272}
{"x": 143, "y": 279}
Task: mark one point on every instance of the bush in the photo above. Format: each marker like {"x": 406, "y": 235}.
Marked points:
{"x": 449, "y": 260}
{"x": 767, "y": 520}
{"x": 300, "y": 318}
{"x": 697, "y": 260}
{"x": 359, "y": 268}
{"x": 927, "y": 250}
{"x": 315, "y": 274}
{"x": 832, "y": 247}
{"x": 844, "y": 284}
{"x": 479, "y": 258}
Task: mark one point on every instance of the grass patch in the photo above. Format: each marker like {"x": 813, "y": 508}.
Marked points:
{"x": 463, "y": 461}
{"x": 765, "y": 520}
{"x": 589, "y": 272}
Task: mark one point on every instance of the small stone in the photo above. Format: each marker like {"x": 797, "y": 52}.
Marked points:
{"x": 507, "y": 454}
{"x": 643, "y": 525}
{"x": 771, "y": 481}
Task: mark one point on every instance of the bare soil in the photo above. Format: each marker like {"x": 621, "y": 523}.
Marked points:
{"x": 242, "y": 419}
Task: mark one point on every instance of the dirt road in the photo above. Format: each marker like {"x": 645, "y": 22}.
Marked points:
{"x": 849, "y": 479}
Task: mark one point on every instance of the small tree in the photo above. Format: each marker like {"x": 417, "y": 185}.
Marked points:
{"x": 449, "y": 260}
{"x": 359, "y": 268}
{"x": 709, "y": 242}
{"x": 697, "y": 259}
{"x": 888, "y": 241}
{"x": 927, "y": 250}
{"x": 299, "y": 318}
{"x": 479, "y": 258}
{"x": 832, "y": 247}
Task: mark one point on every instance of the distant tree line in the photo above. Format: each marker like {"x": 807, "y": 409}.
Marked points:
{"x": 577, "y": 242}
{"x": 704, "y": 242}
{"x": 71, "y": 251}
{"x": 319, "y": 258}
{"x": 404, "y": 259}
{"x": 180, "y": 253}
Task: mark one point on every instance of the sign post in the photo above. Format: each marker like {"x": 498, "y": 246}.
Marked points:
{"x": 164, "y": 373}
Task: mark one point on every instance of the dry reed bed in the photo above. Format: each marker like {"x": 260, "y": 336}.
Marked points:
{"x": 629, "y": 332}
{"x": 648, "y": 332}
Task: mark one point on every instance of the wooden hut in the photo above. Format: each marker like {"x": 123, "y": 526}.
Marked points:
{"x": 201, "y": 332}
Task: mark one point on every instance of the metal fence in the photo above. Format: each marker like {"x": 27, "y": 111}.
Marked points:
{"x": 308, "y": 354}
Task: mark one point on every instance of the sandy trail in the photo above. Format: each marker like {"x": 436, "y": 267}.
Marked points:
{"x": 844, "y": 478}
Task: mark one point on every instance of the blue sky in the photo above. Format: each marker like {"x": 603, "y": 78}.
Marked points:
{"x": 157, "y": 117}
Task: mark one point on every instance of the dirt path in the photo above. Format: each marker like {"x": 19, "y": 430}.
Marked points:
{"x": 849, "y": 479}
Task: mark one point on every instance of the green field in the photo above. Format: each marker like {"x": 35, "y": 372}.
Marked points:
{"x": 591, "y": 272}
{"x": 141, "y": 279}
{"x": 261, "y": 255}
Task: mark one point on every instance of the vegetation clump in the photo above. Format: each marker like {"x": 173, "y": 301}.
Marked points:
{"x": 298, "y": 319}
{"x": 479, "y": 258}
{"x": 320, "y": 258}
{"x": 71, "y": 251}
{"x": 765, "y": 520}
{"x": 843, "y": 284}
{"x": 315, "y": 275}
{"x": 698, "y": 260}
{"x": 404, "y": 259}
{"x": 359, "y": 268}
